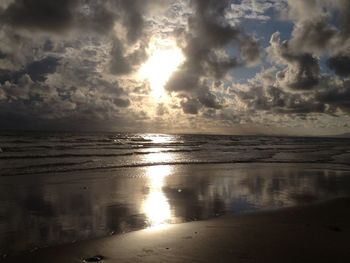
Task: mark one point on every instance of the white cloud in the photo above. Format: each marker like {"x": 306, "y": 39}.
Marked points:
{"x": 254, "y": 9}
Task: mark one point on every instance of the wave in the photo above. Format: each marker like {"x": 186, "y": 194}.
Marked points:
{"x": 96, "y": 146}
{"x": 71, "y": 155}
{"x": 68, "y": 155}
{"x": 345, "y": 166}
{"x": 63, "y": 148}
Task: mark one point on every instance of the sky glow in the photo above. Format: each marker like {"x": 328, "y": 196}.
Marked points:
{"x": 161, "y": 64}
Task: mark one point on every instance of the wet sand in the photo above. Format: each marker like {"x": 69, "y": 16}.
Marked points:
{"x": 308, "y": 233}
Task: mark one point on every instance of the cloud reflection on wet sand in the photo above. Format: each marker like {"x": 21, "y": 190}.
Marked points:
{"x": 40, "y": 210}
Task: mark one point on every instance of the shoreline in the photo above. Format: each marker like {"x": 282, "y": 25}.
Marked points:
{"x": 308, "y": 233}
{"x": 316, "y": 165}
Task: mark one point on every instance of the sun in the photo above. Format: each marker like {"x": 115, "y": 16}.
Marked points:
{"x": 164, "y": 58}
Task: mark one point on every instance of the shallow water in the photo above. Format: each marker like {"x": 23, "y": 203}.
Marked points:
{"x": 45, "y": 210}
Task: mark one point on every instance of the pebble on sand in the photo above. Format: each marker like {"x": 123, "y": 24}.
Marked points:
{"x": 96, "y": 258}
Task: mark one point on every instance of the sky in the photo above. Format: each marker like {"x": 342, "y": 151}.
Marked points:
{"x": 188, "y": 66}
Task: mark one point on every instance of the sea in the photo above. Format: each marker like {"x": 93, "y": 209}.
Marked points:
{"x": 59, "y": 188}
{"x": 38, "y": 153}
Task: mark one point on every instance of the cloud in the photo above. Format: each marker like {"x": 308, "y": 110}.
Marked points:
{"x": 302, "y": 69}
{"x": 119, "y": 63}
{"x": 340, "y": 64}
{"x": 344, "y": 9}
{"x": 48, "y": 15}
{"x": 209, "y": 100}
{"x": 253, "y": 9}
{"x": 36, "y": 70}
{"x": 313, "y": 36}
{"x": 162, "y": 109}
{"x": 337, "y": 95}
{"x": 205, "y": 45}
{"x": 321, "y": 26}
{"x": 58, "y": 96}
{"x": 64, "y": 62}
{"x": 123, "y": 62}
{"x": 124, "y": 103}
{"x": 262, "y": 95}
{"x": 60, "y": 16}
{"x": 132, "y": 13}
{"x": 98, "y": 17}
{"x": 191, "y": 106}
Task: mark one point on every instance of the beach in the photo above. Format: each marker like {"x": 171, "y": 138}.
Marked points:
{"x": 198, "y": 213}
{"x": 173, "y": 198}
{"x": 311, "y": 233}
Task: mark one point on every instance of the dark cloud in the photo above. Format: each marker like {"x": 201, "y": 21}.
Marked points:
{"x": 90, "y": 15}
{"x": 302, "y": 71}
{"x": 191, "y": 106}
{"x": 263, "y": 93}
{"x": 321, "y": 27}
{"x": 37, "y": 70}
{"x": 183, "y": 81}
{"x": 119, "y": 64}
{"x": 122, "y": 64}
{"x": 132, "y": 15}
{"x": 301, "y": 106}
{"x": 209, "y": 22}
{"x": 124, "y": 103}
{"x": 313, "y": 35}
{"x": 209, "y": 100}
{"x": 337, "y": 96}
{"x": 34, "y": 99}
{"x": 340, "y": 64}
{"x": 272, "y": 99}
{"x": 249, "y": 49}
{"x": 205, "y": 46}
{"x": 94, "y": 98}
{"x": 344, "y": 9}
{"x": 2, "y": 55}
{"x": 40, "y": 14}
{"x": 95, "y": 16}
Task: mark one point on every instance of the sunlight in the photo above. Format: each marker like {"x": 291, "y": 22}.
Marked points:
{"x": 156, "y": 206}
{"x": 160, "y": 138}
{"x": 158, "y": 158}
{"x": 164, "y": 58}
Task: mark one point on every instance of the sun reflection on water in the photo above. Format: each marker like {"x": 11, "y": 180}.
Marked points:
{"x": 160, "y": 138}
{"x": 158, "y": 158}
{"x": 156, "y": 206}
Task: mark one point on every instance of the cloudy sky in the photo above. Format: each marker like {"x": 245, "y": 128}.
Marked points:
{"x": 218, "y": 66}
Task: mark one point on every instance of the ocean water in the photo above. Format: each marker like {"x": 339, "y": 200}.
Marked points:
{"x": 64, "y": 187}
{"x": 36, "y": 153}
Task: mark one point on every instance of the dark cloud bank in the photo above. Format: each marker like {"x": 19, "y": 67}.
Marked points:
{"x": 65, "y": 62}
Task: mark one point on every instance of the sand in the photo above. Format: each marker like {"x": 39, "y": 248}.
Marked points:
{"x": 312, "y": 233}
